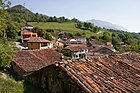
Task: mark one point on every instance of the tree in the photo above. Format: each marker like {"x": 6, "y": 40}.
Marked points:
{"x": 3, "y": 16}
{"x": 48, "y": 36}
{"x": 88, "y": 25}
{"x": 79, "y": 25}
{"x": 39, "y": 31}
{"x": 74, "y": 20}
{"x": 12, "y": 30}
{"x": 107, "y": 36}
{"x": 6, "y": 55}
{"x": 6, "y": 49}
{"x": 96, "y": 29}
{"x": 116, "y": 43}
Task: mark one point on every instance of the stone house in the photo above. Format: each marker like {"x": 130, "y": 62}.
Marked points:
{"x": 79, "y": 39}
{"x": 106, "y": 74}
{"x": 39, "y": 43}
{"x": 77, "y": 50}
{"x": 104, "y": 51}
{"x": 41, "y": 67}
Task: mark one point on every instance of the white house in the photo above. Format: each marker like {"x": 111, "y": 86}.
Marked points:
{"x": 77, "y": 51}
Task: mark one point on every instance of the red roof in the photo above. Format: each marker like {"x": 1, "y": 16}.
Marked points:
{"x": 26, "y": 32}
{"x": 38, "y": 39}
{"x": 76, "y": 47}
{"x": 33, "y": 60}
{"x": 77, "y": 37}
{"x": 109, "y": 74}
{"x": 26, "y": 39}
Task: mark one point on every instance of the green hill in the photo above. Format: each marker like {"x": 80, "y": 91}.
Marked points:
{"x": 67, "y": 27}
{"x": 20, "y": 12}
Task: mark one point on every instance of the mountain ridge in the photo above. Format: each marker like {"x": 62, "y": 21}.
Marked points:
{"x": 107, "y": 25}
{"x": 19, "y": 8}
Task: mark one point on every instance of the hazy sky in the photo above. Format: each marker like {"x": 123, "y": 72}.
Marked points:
{"x": 122, "y": 12}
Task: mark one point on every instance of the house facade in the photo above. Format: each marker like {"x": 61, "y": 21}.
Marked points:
{"x": 77, "y": 51}
{"x": 26, "y": 35}
{"x": 79, "y": 39}
{"x": 39, "y": 43}
{"x": 104, "y": 51}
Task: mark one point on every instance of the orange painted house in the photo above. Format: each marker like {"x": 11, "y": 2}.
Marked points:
{"x": 26, "y": 35}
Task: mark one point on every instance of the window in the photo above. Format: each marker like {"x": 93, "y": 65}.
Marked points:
{"x": 43, "y": 44}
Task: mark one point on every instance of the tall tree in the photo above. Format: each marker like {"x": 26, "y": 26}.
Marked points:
{"x": 3, "y": 16}
{"x": 6, "y": 50}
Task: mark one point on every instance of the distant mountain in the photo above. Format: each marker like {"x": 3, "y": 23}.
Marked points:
{"x": 19, "y": 8}
{"x": 22, "y": 12}
{"x": 106, "y": 25}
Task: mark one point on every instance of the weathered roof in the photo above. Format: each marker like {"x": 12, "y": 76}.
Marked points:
{"x": 76, "y": 47}
{"x": 38, "y": 39}
{"x": 34, "y": 60}
{"x": 97, "y": 42}
{"x": 26, "y": 32}
{"x": 77, "y": 37}
{"x": 26, "y": 39}
{"x": 109, "y": 74}
{"x": 103, "y": 48}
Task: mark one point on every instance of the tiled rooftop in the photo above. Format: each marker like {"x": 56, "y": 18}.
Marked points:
{"x": 108, "y": 74}
{"x": 77, "y": 37}
{"x": 38, "y": 39}
{"x": 76, "y": 47}
{"x": 26, "y": 32}
{"x": 33, "y": 60}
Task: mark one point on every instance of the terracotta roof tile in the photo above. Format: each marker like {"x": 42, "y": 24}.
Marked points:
{"x": 33, "y": 60}
{"x": 26, "y": 39}
{"x": 38, "y": 39}
{"x": 112, "y": 74}
{"x": 76, "y": 47}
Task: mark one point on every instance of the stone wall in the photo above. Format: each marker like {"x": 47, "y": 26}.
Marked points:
{"x": 55, "y": 80}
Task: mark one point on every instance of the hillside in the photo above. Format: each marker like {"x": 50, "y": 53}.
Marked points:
{"x": 67, "y": 27}
{"x": 22, "y": 12}
{"x": 106, "y": 25}
{"x": 9, "y": 84}
{"x": 19, "y": 8}
{"x": 58, "y": 24}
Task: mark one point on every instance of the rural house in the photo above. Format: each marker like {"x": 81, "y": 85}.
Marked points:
{"x": 106, "y": 74}
{"x": 104, "y": 51}
{"x": 41, "y": 67}
{"x": 77, "y": 50}
{"x": 26, "y": 35}
{"x": 79, "y": 39}
{"x": 39, "y": 43}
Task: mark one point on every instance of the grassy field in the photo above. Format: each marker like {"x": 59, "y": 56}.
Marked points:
{"x": 10, "y": 85}
{"x": 67, "y": 27}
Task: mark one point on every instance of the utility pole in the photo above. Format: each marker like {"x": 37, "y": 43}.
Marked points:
{"x": 24, "y": 4}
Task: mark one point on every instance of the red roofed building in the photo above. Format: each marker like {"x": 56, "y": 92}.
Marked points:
{"x": 106, "y": 74}
{"x": 77, "y": 50}
{"x": 26, "y": 36}
{"x": 29, "y": 61}
{"x": 39, "y": 43}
